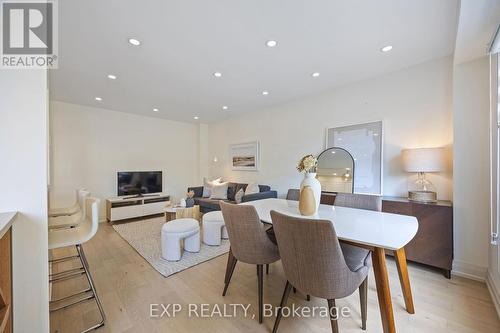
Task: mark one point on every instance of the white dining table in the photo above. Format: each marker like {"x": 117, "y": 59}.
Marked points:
{"x": 373, "y": 230}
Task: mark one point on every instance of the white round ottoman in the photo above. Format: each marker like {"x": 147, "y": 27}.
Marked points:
{"x": 214, "y": 228}
{"x": 173, "y": 232}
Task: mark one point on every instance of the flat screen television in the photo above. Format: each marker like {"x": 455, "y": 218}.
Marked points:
{"x": 139, "y": 182}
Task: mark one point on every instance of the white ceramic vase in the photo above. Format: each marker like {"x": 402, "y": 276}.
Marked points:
{"x": 310, "y": 180}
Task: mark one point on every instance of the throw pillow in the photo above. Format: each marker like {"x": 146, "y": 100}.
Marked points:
{"x": 252, "y": 188}
{"x": 219, "y": 191}
{"x": 239, "y": 196}
{"x": 207, "y": 186}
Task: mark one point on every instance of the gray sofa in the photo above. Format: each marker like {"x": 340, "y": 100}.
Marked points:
{"x": 209, "y": 205}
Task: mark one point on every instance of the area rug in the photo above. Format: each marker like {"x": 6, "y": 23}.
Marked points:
{"x": 144, "y": 237}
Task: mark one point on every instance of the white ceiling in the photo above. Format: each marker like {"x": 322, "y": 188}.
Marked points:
{"x": 185, "y": 42}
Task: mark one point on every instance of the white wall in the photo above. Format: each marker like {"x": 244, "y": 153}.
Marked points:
{"x": 414, "y": 104}
{"x": 471, "y": 167}
{"x": 89, "y": 145}
{"x": 23, "y": 172}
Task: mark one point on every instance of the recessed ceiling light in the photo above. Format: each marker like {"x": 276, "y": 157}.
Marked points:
{"x": 217, "y": 74}
{"x": 111, "y": 77}
{"x": 225, "y": 107}
{"x": 315, "y": 74}
{"x": 271, "y": 43}
{"x": 155, "y": 110}
{"x": 98, "y": 99}
{"x": 265, "y": 93}
{"x": 134, "y": 41}
{"x": 196, "y": 117}
{"x": 386, "y": 48}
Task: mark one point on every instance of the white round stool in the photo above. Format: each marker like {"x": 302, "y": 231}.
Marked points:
{"x": 214, "y": 228}
{"x": 173, "y": 232}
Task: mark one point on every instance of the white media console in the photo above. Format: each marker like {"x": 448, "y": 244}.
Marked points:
{"x": 128, "y": 207}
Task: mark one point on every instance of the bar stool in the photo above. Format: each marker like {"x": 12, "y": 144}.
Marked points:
{"x": 76, "y": 237}
{"x": 61, "y": 222}
{"x": 66, "y": 211}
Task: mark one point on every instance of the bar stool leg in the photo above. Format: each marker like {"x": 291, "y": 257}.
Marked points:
{"x": 91, "y": 283}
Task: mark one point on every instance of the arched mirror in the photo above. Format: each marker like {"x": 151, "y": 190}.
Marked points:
{"x": 335, "y": 170}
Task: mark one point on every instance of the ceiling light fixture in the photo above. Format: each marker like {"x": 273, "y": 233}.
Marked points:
{"x": 217, "y": 74}
{"x": 271, "y": 43}
{"x": 134, "y": 41}
{"x": 315, "y": 74}
{"x": 155, "y": 110}
{"x": 386, "y": 48}
{"x": 111, "y": 77}
{"x": 98, "y": 99}
{"x": 225, "y": 107}
{"x": 265, "y": 93}
{"x": 196, "y": 117}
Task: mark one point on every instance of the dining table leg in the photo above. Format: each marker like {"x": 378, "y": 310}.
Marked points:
{"x": 404, "y": 279}
{"x": 383, "y": 291}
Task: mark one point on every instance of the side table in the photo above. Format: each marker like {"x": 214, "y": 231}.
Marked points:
{"x": 172, "y": 213}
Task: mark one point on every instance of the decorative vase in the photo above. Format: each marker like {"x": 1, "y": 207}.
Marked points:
{"x": 310, "y": 180}
{"x": 183, "y": 202}
{"x": 307, "y": 202}
{"x": 189, "y": 202}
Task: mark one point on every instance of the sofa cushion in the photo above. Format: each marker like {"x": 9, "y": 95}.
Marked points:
{"x": 240, "y": 186}
{"x": 198, "y": 191}
{"x": 252, "y": 188}
{"x": 209, "y": 204}
{"x": 231, "y": 191}
{"x": 264, "y": 188}
{"x": 239, "y": 196}
{"x": 219, "y": 191}
{"x": 207, "y": 186}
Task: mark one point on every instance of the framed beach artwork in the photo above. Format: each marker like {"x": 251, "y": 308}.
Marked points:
{"x": 244, "y": 156}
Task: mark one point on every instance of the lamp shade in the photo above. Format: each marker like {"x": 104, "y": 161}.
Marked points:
{"x": 423, "y": 159}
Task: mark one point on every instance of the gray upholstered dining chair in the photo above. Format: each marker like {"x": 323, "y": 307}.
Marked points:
{"x": 293, "y": 194}
{"x": 357, "y": 254}
{"x": 359, "y": 201}
{"x": 313, "y": 261}
{"x": 249, "y": 244}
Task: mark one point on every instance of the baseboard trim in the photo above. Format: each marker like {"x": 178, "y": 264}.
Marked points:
{"x": 494, "y": 292}
{"x": 469, "y": 271}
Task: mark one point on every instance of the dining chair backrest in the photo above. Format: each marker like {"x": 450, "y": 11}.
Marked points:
{"x": 293, "y": 194}
{"x": 247, "y": 235}
{"x": 312, "y": 258}
{"x": 359, "y": 201}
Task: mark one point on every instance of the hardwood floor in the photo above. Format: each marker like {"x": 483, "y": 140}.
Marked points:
{"x": 127, "y": 285}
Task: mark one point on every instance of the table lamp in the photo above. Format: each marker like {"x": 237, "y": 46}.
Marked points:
{"x": 422, "y": 160}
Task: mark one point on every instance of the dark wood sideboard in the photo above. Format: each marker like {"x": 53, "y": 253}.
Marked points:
{"x": 433, "y": 243}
